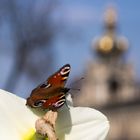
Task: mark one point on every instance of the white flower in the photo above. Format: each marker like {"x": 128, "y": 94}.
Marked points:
{"x": 17, "y": 121}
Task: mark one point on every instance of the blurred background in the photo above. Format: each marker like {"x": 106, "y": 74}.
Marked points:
{"x": 99, "y": 39}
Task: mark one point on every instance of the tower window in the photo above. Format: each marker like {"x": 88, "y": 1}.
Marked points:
{"x": 114, "y": 85}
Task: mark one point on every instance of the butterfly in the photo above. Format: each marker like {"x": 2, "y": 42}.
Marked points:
{"x": 51, "y": 94}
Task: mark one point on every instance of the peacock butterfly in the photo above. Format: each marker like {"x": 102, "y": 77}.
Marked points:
{"x": 51, "y": 94}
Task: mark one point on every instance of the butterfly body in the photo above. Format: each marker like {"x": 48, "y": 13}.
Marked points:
{"x": 51, "y": 94}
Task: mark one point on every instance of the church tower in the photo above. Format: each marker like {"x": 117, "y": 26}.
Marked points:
{"x": 109, "y": 78}
{"x": 110, "y": 84}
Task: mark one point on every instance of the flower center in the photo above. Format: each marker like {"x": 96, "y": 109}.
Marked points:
{"x": 32, "y": 135}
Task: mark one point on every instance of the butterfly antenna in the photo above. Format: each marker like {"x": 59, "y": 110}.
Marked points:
{"x": 75, "y": 89}
{"x": 78, "y": 80}
{"x": 69, "y": 92}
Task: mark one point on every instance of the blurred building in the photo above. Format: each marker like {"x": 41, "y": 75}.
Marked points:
{"x": 110, "y": 84}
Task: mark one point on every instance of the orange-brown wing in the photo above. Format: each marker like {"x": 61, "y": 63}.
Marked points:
{"x": 54, "y": 102}
{"x": 51, "y": 87}
{"x": 59, "y": 78}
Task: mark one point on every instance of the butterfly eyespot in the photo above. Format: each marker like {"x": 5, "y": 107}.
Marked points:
{"x": 45, "y": 85}
{"x": 65, "y": 71}
{"x": 39, "y": 103}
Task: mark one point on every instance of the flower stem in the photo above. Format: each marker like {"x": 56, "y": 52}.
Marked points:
{"x": 45, "y": 126}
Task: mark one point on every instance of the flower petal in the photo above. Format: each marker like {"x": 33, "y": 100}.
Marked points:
{"x": 87, "y": 124}
{"x": 15, "y": 118}
{"x": 72, "y": 124}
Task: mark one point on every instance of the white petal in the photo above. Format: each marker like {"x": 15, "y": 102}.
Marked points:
{"x": 69, "y": 100}
{"x": 15, "y": 118}
{"x": 87, "y": 124}
{"x": 75, "y": 124}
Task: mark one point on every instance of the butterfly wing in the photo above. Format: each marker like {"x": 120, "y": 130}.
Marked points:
{"x": 54, "y": 102}
{"x": 60, "y": 77}
{"x": 50, "y": 90}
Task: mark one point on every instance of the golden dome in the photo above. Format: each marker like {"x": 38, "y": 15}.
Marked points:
{"x": 105, "y": 44}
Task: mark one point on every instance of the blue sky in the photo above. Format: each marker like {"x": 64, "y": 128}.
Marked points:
{"x": 87, "y": 16}
{"x": 83, "y": 21}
